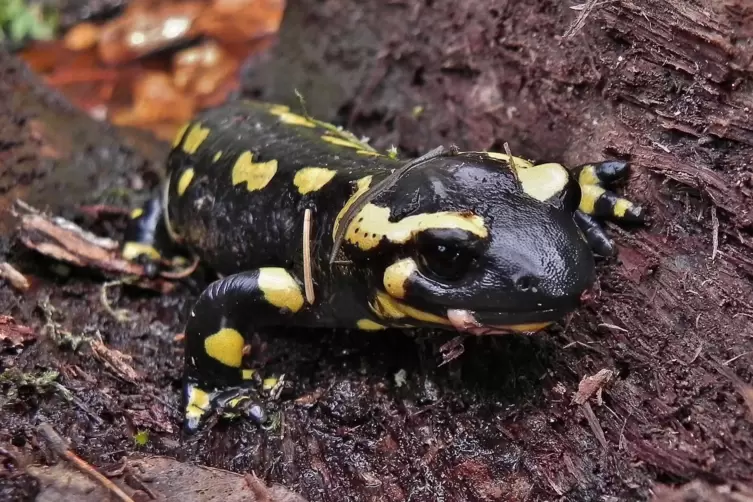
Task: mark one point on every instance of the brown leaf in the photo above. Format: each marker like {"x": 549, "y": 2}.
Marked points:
{"x": 590, "y": 385}
{"x": 146, "y": 27}
{"x": 115, "y": 360}
{"x": 14, "y": 334}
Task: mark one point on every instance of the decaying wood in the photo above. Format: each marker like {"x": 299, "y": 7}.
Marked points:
{"x": 664, "y": 84}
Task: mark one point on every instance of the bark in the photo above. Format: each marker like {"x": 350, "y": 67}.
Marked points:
{"x": 664, "y": 84}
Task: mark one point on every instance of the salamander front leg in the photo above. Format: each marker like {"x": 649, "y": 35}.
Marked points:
{"x": 217, "y": 332}
{"x": 598, "y": 203}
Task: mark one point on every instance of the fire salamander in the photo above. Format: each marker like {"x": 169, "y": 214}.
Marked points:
{"x": 308, "y": 226}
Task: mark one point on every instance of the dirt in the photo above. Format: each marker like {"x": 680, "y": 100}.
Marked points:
{"x": 374, "y": 416}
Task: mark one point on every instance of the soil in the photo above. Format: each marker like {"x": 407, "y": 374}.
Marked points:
{"x": 376, "y": 416}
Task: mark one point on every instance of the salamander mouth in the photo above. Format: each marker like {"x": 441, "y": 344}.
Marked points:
{"x": 491, "y": 323}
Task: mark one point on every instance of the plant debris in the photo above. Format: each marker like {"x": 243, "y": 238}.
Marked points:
{"x": 63, "y": 240}
{"x": 160, "y": 61}
{"x": 13, "y": 334}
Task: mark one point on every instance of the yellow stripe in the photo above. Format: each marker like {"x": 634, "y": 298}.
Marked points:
{"x": 362, "y": 185}
{"x": 373, "y": 223}
{"x": 342, "y": 142}
{"x": 588, "y": 176}
{"x": 369, "y": 325}
{"x": 280, "y": 289}
{"x": 132, "y": 250}
{"x": 387, "y": 307}
{"x": 195, "y": 138}
{"x": 519, "y": 162}
{"x": 589, "y": 195}
{"x": 621, "y": 207}
{"x": 180, "y": 133}
{"x": 184, "y": 181}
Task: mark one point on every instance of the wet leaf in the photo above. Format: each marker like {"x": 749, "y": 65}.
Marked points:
{"x": 14, "y": 334}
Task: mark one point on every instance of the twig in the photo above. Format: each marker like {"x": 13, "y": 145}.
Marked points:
{"x": 120, "y": 315}
{"x": 57, "y": 444}
{"x": 182, "y": 273}
{"x": 13, "y": 276}
{"x": 696, "y": 354}
{"x": 593, "y": 422}
{"x": 730, "y": 361}
{"x": 715, "y": 235}
{"x": 581, "y": 19}
{"x": 612, "y": 326}
{"x": 509, "y": 155}
{"x": 308, "y": 282}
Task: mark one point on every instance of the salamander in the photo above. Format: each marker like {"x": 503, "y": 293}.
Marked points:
{"x": 308, "y": 226}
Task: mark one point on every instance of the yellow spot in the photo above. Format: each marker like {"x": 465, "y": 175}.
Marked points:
{"x": 362, "y": 185}
{"x": 589, "y": 195}
{"x": 519, "y": 162}
{"x": 179, "y": 135}
{"x": 396, "y": 277}
{"x": 342, "y": 142}
{"x": 217, "y": 156}
{"x": 195, "y": 138}
{"x": 372, "y": 224}
{"x": 543, "y": 181}
{"x": 278, "y": 109}
{"x": 226, "y": 346}
{"x": 588, "y": 176}
{"x": 294, "y": 119}
{"x": 528, "y": 328}
{"x": 621, "y": 207}
{"x": 136, "y": 213}
{"x": 256, "y": 175}
{"x": 369, "y": 325}
{"x": 387, "y": 307}
{"x": 269, "y": 383}
{"x": 311, "y": 179}
{"x": 132, "y": 250}
{"x": 198, "y": 403}
{"x": 184, "y": 181}
{"x": 233, "y": 403}
{"x": 280, "y": 289}
{"x": 368, "y": 152}
{"x": 248, "y": 374}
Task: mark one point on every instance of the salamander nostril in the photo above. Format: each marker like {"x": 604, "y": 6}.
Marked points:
{"x": 526, "y": 283}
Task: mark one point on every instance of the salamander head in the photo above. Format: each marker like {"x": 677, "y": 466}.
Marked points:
{"x": 459, "y": 243}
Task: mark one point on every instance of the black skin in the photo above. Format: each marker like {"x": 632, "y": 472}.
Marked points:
{"x": 533, "y": 266}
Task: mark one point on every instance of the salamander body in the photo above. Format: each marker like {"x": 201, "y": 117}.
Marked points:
{"x": 309, "y": 226}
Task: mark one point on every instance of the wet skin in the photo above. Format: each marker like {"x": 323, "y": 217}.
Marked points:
{"x": 478, "y": 242}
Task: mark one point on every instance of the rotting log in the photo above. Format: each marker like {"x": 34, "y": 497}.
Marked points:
{"x": 666, "y": 84}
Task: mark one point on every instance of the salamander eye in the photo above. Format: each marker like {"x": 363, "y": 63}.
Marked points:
{"x": 443, "y": 258}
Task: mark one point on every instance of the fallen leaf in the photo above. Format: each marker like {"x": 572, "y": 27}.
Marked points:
{"x": 590, "y": 385}
{"x": 167, "y": 478}
{"x": 15, "y": 334}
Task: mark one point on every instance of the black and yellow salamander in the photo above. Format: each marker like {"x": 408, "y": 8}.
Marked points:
{"x": 308, "y": 226}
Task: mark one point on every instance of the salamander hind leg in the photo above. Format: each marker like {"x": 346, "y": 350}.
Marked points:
{"x": 217, "y": 333}
{"x": 599, "y": 203}
{"x": 147, "y": 240}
